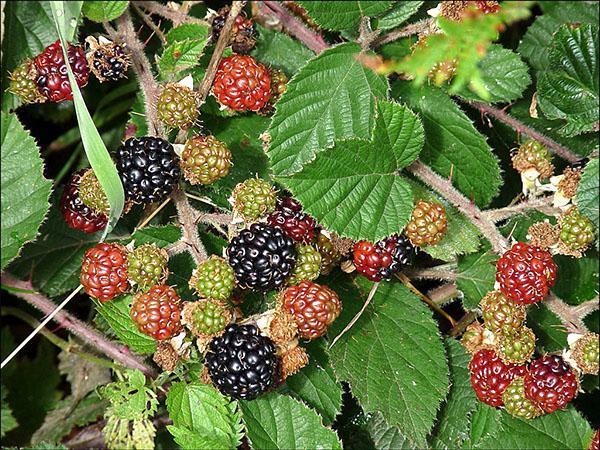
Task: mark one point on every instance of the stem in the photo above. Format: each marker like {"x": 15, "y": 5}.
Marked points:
{"x": 119, "y": 353}
{"x": 462, "y": 324}
{"x": 543, "y": 204}
{"x": 54, "y": 339}
{"x": 571, "y": 316}
{"x": 406, "y": 281}
{"x": 520, "y": 127}
{"x": 148, "y": 21}
{"x": 414, "y": 28}
{"x": 431, "y": 274}
{"x": 177, "y": 16}
{"x": 293, "y": 26}
{"x": 443, "y": 293}
{"x": 469, "y": 209}
{"x": 187, "y": 218}
{"x": 222, "y": 42}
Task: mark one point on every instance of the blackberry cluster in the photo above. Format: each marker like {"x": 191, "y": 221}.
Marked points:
{"x": 241, "y": 362}
{"x": 381, "y": 260}
{"x": 76, "y": 213}
{"x": 148, "y": 167}
{"x": 289, "y": 217}
{"x": 262, "y": 257}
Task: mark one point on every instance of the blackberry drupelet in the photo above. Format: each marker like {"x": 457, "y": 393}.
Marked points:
{"x": 148, "y": 167}
{"x": 241, "y": 362}
{"x": 262, "y": 257}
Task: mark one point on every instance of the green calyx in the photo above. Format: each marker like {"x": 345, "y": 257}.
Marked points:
{"x": 92, "y": 194}
{"x": 308, "y": 265}
{"x": 22, "y": 83}
{"x": 148, "y": 266}
{"x": 516, "y": 348}
{"x": 517, "y": 404}
{"x": 254, "y": 198}
{"x": 577, "y": 231}
{"x": 214, "y": 278}
{"x": 177, "y": 106}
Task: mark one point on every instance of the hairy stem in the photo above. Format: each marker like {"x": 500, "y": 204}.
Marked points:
{"x": 222, "y": 42}
{"x": 177, "y": 16}
{"x": 444, "y": 293}
{"x": 431, "y": 274}
{"x": 414, "y": 28}
{"x": 148, "y": 21}
{"x": 96, "y": 340}
{"x": 571, "y": 316}
{"x": 293, "y": 26}
{"x": 542, "y": 204}
{"x": 520, "y": 127}
{"x": 189, "y": 226}
{"x": 445, "y": 189}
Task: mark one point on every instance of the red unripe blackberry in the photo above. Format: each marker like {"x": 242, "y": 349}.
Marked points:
{"x": 313, "y": 306}
{"x": 526, "y": 273}
{"x": 550, "y": 383}
{"x": 52, "y": 77}
{"x": 242, "y": 84}
{"x": 104, "y": 271}
{"x": 157, "y": 312}
{"x": 595, "y": 444}
{"x": 76, "y": 213}
{"x": 381, "y": 260}
{"x": 490, "y": 376}
{"x": 242, "y": 363}
{"x": 288, "y": 216}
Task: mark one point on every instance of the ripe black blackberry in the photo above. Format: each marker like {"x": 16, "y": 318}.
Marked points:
{"x": 241, "y": 362}
{"x": 262, "y": 257}
{"x": 148, "y": 167}
{"x": 107, "y": 60}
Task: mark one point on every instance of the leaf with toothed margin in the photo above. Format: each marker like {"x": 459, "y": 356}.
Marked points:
{"x": 331, "y": 98}
{"x": 343, "y": 15}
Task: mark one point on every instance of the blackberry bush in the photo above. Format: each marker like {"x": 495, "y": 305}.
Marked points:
{"x": 299, "y": 224}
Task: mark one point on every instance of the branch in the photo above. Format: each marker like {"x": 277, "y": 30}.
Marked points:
{"x": 420, "y": 27}
{"x": 148, "y": 21}
{"x": 222, "y": 42}
{"x": 469, "y": 209}
{"x": 520, "y": 127}
{"x": 543, "y": 204}
{"x": 177, "y": 16}
{"x": 293, "y": 26}
{"x": 189, "y": 228}
{"x": 119, "y": 353}
{"x": 571, "y": 316}
{"x": 444, "y": 293}
{"x": 150, "y": 88}
{"x": 431, "y": 274}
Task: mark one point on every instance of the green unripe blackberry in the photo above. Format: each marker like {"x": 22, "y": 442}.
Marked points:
{"x": 204, "y": 160}
{"x": 148, "y": 266}
{"x": 308, "y": 265}
{"x": 22, "y": 83}
{"x": 177, "y": 106}
{"x": 533, "y": 155}
{"x": 206, "y": 317}
{"x": 576, "y": 230}
{"x": 517, "y": 347}
{"x": 585, "y": 353}
{"x": 214, "y": 278}
{"x": 254, "y": 198}
{"x": 517, "y": 404}
{"x": 501, "y": 315}
{"x": 92, "y": 194}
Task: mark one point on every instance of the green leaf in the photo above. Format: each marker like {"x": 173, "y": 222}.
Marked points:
{"x": 180, "y": 55}
{"x": 99, "y": 158}
{"x": 162, "y": 235}
{"x": 384, "y": 436}
{"x": 330, "y": 98}
{"x": 452, "y": 144}
{"x": 104, "y": 11}
{"x": 343, "y": 15}
{"x": 535, "y": 44}
{"x": 485, "y": 424}
{"x": 316, "y": 385}
{"x": 205, "y": 413}
{"x": 561, "y": 429}
{"x": 193, "y": 31}
{"x": 53, "y": 261}
{"x": 504, "y": 75}
{"x": 568, "y": 90}
{"x": 116, "y": 313}
{"x": 587, "y": 192}
{"x": 280, "y": 422}
{"x": 476, "y": 276}
{"x": 7, "y": 420}
{"x": 24, "y": 190}
{"x": 398, "y": 14}
{"x": 454, "y": 416}
{"x": 83, "y": 375}
{"x": 578, "y": 277}
{"x": 393, "y": 357}
{"x": 462, "y": 237}
{"x": 280, "y": 51}
{"x": 353, "y": 188}
{"x": 551, "y": 336}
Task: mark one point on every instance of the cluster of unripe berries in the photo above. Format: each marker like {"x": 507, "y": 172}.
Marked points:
{"x": 502, "y": 347}
{"x": 45, "y": 77}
